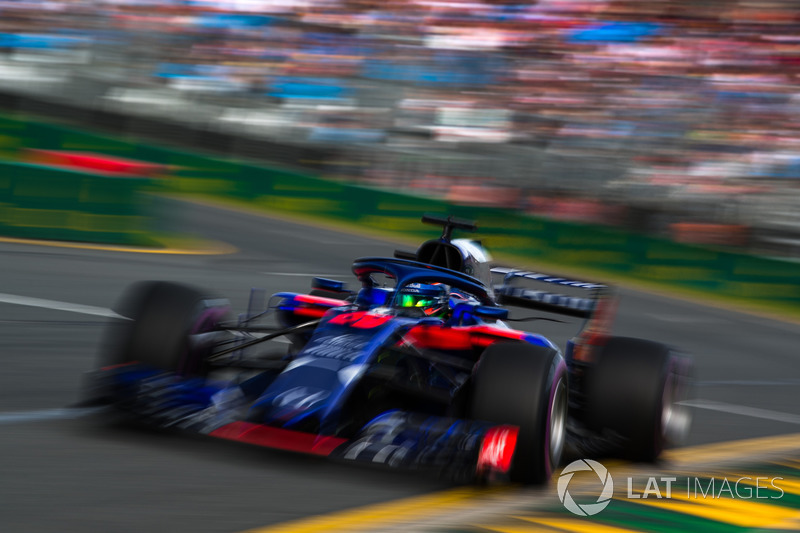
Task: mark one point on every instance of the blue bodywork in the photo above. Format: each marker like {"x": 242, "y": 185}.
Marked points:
{"x": 320, "y": 377}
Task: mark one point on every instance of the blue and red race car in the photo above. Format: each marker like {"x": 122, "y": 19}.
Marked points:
{"x": 415, "y": 369}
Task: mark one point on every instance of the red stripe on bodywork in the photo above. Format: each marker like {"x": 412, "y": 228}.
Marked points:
{"x": 278, "y": 438}
{"x": 360, "y": 319}
{"x": 311, "y": 312}
{"x": 458, "y": 338}
{"x": 314, "y": 306}
{"x": 498, "y": 448}
{"x": 319, "y": 300}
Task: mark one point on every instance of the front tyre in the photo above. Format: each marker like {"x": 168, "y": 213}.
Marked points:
{"x": 525, "y": 386}
{"x": 165, "y": 327}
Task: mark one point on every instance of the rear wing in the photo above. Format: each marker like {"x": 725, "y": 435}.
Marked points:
{"x": 570, "y": 297}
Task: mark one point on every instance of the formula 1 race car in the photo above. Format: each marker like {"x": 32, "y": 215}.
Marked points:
{"x": 417, "y": 368}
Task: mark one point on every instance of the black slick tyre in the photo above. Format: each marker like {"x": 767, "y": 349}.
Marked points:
{"x": 526, "y": 386}
{"x": 634, "y": 394}
{"x": 162, "y": 319}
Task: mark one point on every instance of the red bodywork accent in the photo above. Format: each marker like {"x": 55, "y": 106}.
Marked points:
{"x": 597, "y": 331}
{"x": 360, "y": 319}
{"x": 278, "y": 438}
{"x": 312, "y": 312}
{"x": 458, "y": 338}
{"x": 319, "y": 300}
{"x": 314, "y": 306}
{"x": 498, "y": 448}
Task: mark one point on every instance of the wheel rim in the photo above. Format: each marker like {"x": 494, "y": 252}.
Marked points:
{"x": 675, "y": 417}
{"x": 558, "y": 419}
{"x": 666, "y": 404}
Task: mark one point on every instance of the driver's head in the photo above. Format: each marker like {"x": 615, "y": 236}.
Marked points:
{"x": 431, "y": 299}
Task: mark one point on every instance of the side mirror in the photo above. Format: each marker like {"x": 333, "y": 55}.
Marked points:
{"x": 328, "y": 285}
{"x": 491, "y": 313}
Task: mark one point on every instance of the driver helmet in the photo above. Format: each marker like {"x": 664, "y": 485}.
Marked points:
{"x": 431, "y": 299}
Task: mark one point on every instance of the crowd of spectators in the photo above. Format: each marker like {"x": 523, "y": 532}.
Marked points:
{"x": 692, "y": 101}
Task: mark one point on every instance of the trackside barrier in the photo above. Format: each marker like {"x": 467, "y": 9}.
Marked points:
{"x": 41, "y": 202}
{"x": 571, "y": 244}
{"x": 582, "y": 245}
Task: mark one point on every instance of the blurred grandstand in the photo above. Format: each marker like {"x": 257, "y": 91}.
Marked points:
{"x": 674, "y": 117}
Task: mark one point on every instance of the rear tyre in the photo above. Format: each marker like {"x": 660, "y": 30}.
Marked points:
{"x": 166, "y": 320}
{"x": 635, "y": 393}
{"x": 525, "y": 386}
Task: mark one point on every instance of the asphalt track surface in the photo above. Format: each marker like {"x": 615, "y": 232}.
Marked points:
{"x": 63, "y": 473}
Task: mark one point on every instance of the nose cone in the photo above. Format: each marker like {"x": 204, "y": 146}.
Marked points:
{"x": 307, "y": 386}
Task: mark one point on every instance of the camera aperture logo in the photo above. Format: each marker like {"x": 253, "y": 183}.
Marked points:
{"x": 587, "y": 509}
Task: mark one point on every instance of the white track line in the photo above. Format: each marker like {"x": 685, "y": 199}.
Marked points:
{"x": 743, "y": 410}
{"x": 59, "y": 306}
{"x": 46, "y": 414}
{"x": 73, "y": 308}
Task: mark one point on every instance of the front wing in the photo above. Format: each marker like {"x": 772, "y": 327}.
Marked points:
{"x": 461, "y": 449}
